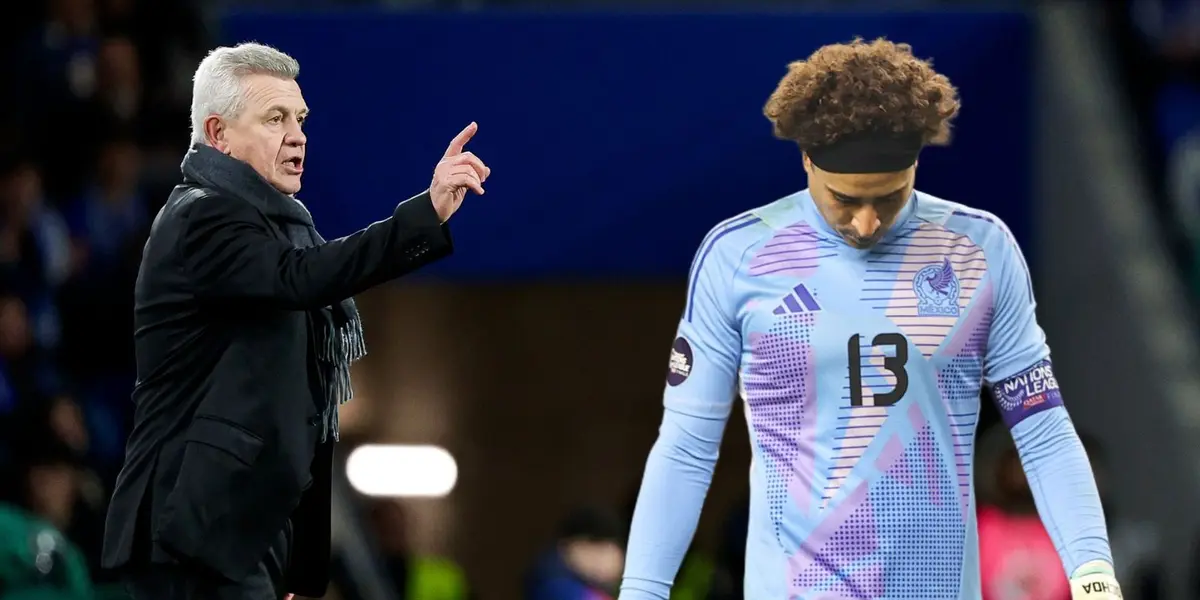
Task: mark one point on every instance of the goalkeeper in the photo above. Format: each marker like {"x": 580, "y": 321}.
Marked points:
{"x": 859, "y": 318}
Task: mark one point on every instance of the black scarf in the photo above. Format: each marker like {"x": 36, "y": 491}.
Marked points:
{"x": 337, "y": 329}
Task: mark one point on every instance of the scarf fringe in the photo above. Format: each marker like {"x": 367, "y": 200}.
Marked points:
{"x": 343, "y": 345}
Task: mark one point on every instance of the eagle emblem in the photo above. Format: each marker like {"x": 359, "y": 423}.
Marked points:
{"x": 937, "y": 289}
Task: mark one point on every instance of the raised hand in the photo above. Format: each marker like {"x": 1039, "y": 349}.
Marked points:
{"x": 457, "y": 172}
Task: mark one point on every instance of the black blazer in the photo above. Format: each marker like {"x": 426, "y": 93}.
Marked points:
{"x": 225, "y": 444}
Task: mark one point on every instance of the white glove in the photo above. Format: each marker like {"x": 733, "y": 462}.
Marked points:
{"x": 1095, "y": 580}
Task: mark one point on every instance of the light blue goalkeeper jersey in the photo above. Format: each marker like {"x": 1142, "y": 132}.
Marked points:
{"x": 861, "y": 373}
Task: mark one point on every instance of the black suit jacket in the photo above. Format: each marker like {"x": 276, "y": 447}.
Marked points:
{"x": 225, "y": 444}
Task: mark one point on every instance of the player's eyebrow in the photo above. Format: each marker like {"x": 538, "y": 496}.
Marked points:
{"x": 856, "y": 199}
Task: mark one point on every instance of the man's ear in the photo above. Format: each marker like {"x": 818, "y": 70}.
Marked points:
{"x": 214, "y": 133}
{"x": 808, "y": 166}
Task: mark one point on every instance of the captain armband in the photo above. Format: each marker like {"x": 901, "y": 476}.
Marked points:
{"x": 1027, "y": 393}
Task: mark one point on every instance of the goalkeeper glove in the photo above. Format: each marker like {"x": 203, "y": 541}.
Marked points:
{"x": 1095, "y": 580}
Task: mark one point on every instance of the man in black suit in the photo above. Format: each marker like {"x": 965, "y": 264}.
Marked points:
{"x": 245, "y": 331}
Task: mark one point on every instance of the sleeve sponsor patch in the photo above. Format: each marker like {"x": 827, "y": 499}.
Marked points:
{"x": 1027, "y": 393}
{"x": 680, "y": 365}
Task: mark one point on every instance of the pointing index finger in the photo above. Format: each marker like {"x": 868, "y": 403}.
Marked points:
{"x": 460, "y": 140}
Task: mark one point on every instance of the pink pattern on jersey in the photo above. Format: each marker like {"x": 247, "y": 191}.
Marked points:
{"x": 847, "y": 532}
{"x": 780, "y": 392}
{"x": 966, "y": 341}
{"x": 864, "y": 548}
{"x": 890, "y": 275}
{"x": 892, "y": 449}
{"x": 861, "y": 424}
{"x": 795, "y": 250}
{"x": 916, "y": 418}
{"x": 959, "y": 380}
{"x": 844, "y": 537}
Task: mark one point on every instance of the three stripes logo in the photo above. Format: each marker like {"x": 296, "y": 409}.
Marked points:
{"x": 799, "y": 301}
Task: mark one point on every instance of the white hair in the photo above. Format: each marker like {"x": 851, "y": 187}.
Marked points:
{"x": 217, "y": 86}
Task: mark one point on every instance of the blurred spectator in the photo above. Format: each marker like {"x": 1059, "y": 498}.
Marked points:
{"x": 119, "y": 78}
{"x": 65, "y": 421}
{"x": 60, "y": 77}
{"x": 61, "y": 53}
{"x": 414, "y": 577}
{"x": 53, "y": 479}
{"x": 108, "y": 222}
{"x": 37, "y": 562}
{"x": 34, "y": 253}
{"x": 167, "y": 39}
{"x": 585, "y": 562}
{"x": 24, "y": 378}
{"x": 1017, "y": 559}
{"x": 108, "y": 225}
{"x": 15, "y": 340}
{"x": 51, "y": 483}
{"x": 34, "y": 250}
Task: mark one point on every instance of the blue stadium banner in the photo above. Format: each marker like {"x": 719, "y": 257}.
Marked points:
{"x": 615, "y": 140}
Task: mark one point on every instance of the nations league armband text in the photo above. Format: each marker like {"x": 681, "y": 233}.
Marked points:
{"x": 1027, "y": 393}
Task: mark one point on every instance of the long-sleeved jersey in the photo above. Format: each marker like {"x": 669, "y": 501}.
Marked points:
{"x": 861, "y": 373}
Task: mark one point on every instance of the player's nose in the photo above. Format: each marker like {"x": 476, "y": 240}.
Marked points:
{"x": 866, "y": 222}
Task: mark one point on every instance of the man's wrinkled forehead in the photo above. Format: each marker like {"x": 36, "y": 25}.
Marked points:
{"x": 266, "y": 93}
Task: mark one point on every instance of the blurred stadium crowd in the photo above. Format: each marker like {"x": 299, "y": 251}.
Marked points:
{"x": 1159, "y": 43}
{"x": 92, "y": 92}
{"x": 93, "y": 121}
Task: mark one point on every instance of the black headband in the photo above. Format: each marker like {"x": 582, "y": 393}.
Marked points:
{"x": 868, "y": 152}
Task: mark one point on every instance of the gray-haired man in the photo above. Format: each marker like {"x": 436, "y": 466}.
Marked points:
{"x": 245, "y": 331}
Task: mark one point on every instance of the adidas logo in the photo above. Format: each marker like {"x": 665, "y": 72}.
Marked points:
{"x": 799, "y": 301}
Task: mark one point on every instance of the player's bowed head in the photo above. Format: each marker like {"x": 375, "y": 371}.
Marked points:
{"x": 861, "y": 112}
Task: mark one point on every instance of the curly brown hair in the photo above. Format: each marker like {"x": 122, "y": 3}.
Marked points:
{"x": 862, "y": 87}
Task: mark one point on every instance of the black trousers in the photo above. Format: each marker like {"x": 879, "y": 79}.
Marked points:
{"x": 179, "y": 582}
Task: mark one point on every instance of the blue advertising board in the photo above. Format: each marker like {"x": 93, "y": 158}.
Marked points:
{"x": 615, "y": 140}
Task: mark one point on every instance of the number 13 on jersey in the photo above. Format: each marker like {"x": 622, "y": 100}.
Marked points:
{"x": 893, "y": 349}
